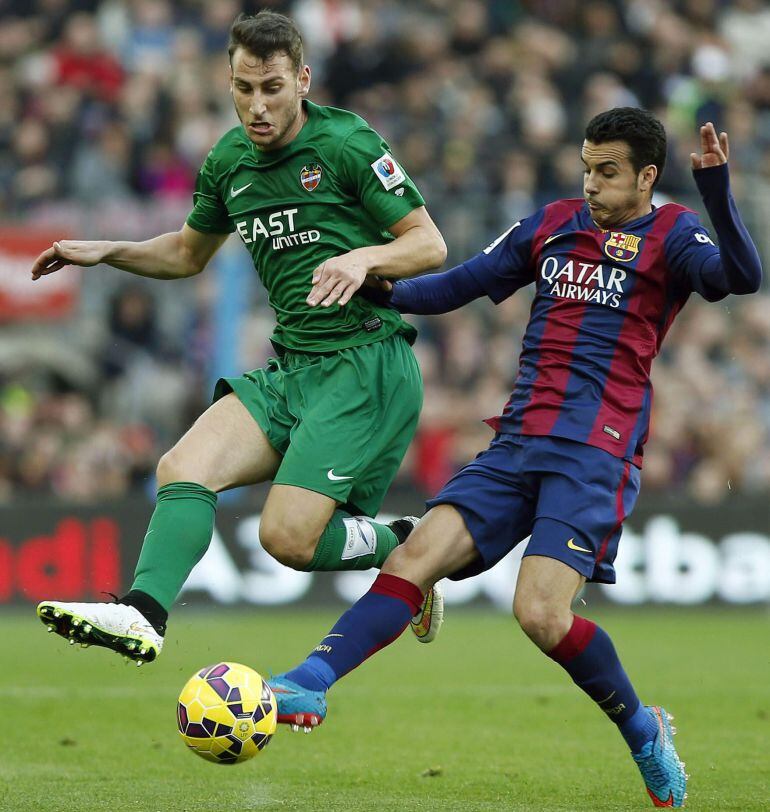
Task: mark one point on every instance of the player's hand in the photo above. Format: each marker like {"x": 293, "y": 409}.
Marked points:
{"x": 69, "y": 252}
{"x": 377, "y": 290}
{"x": 337, "y": 279}
{"x": 714, "y": 151}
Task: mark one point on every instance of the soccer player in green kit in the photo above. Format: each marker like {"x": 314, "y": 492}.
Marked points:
{"x": 320, "y": 204}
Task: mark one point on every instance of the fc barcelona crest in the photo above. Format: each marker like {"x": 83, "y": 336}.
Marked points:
{"x": 622, "y": 247}
{"x": 310, "y": 176}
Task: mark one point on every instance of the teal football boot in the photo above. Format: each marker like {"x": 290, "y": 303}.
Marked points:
{"x": 297, "y": 706}
{"x": 659, "y": 764}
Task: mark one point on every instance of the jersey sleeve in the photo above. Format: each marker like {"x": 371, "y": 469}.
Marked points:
{"x": 693, "y": 256}
{"x": 209, "y": 214}
{"x": 507, "y": 264}
{"x": 378, "y": 181}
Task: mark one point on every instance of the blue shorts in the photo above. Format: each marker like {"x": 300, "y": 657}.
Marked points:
{"x": 572, "y": 499}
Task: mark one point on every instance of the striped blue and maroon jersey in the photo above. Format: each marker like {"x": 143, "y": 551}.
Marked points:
{"x": 603, "y": 303}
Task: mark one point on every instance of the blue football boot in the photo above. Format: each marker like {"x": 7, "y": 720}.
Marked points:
{"x": 297, "y": 706}
{"x": 659, "y": 764}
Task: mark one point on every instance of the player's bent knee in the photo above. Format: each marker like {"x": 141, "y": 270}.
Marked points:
{"x": 544, "y": 623}
{"x": 290, "y": 548}
{"x": 170, "y": 469}
{"x": 399, "y": 560}
{"x": 409, "y": 561}
{"x": 174, "y": 466}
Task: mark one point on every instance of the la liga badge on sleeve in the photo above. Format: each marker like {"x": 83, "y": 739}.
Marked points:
{"x": 388, "y": 172}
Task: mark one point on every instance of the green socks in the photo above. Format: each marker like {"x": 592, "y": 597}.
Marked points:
{"x": 178, "y": 535}
{"x": 183, "y": 522}
{"x": 352, "y": 543}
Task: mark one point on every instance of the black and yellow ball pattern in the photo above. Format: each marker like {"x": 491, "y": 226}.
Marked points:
{"x": 226, "y": 713}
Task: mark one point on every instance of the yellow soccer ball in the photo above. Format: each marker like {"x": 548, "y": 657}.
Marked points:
{"x": 226, "y": 713}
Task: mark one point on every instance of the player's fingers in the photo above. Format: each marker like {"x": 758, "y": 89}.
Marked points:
{"x": 47, "y": 262}
{"x": 704, "y": 138}
{"x": 56, "y": 265}
{"x": 319, "y": 273}
{"x": 711, "y": 138}
{"x": 378, "y": 283}
{"x": 347, "y": 295}
{"x": 725, "y": 144}
{"x": 44, "y": 259}
{"x": 336, "y": 294}
{"x": 320, "y": 291}
{"x": 696, "y": 161}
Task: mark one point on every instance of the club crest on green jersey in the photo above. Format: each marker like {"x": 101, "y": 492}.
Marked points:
{"x": 310, "y": 176}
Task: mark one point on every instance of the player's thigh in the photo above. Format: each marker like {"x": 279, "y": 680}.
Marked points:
{"x": 357, "y": 412}
{"x": 585, "y": 495}
{"x": 495, "y": 497}
{"x": 224, "y": 448}
{"x": 439, "y": 546}
{"x": 293, "y": 518}
{"x": 397, "y": 396}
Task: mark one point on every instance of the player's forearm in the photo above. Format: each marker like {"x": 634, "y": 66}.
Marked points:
{"x": 436, "y": 293}
{"x": 415, "y": 251}
{"x": 162, "y": 257}
{"x": 737, "y": 268}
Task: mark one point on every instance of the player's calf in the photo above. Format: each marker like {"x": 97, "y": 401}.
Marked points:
{"x": 426, "y": 624}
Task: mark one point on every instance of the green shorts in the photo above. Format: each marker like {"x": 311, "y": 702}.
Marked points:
{"x": 342, "y": 421}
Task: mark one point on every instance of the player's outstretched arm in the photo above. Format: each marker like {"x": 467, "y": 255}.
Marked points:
{"x": 168, "y": 256}
{"x": 436, "y": 293}
{"x": 735, "y": 267}
{"x": 418, "y": 247}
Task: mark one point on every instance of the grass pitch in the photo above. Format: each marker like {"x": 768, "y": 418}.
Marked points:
{"x": 478, "y": 720}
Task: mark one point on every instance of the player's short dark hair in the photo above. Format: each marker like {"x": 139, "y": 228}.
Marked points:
{"x": 266, "y": 34}
{"x": 643, "y": 133}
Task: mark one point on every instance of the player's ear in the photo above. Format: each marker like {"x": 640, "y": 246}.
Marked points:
{"x": 647, "y": 178}
{"x": 303, "y": 81}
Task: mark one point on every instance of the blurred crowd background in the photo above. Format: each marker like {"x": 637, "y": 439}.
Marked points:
{"x": 107, "y": 110}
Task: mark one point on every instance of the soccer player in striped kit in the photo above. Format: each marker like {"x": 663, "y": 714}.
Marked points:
{"x": 611, "y": 271}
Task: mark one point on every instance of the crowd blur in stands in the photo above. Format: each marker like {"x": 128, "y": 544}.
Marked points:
{"x": 107, "y": 110}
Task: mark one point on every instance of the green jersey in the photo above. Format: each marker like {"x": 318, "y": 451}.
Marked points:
{"x": 334, "y": 188}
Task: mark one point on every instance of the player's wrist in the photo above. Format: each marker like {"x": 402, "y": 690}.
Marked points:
{"x": 718, "y": 171}
{"x": 108, "y": 250}
{"x": 367, "y": 257}
{"x": 711, "y": 179}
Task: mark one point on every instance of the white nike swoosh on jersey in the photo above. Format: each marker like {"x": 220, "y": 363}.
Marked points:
{"x": 549, "y": 239}
{"x": 235, "y": 192}
{"x": 334, "y": 478}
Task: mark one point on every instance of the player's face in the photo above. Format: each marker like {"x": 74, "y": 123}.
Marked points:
{"x": 268, "y": 97}
{"x": 615, "y": 192}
